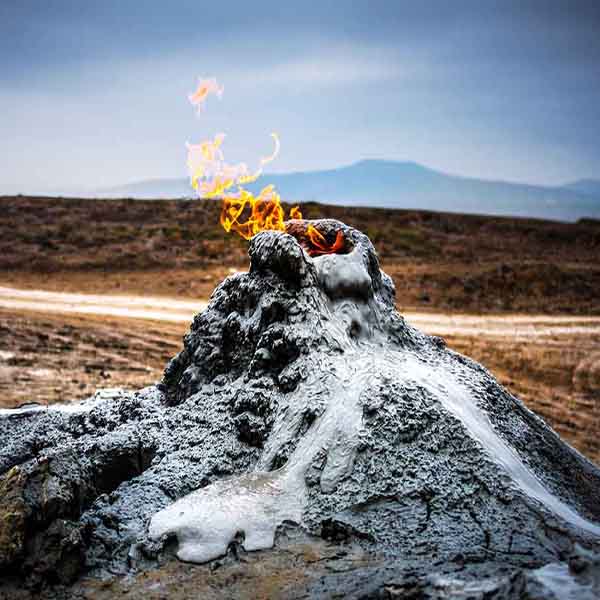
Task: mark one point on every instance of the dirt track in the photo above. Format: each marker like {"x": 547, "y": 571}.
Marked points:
{"x": 131, "y": 307}
{"x": 182, "y": 311}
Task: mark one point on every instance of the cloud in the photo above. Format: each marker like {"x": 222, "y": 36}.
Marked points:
{"x": 465, "y": 86}
{"x": 326, "y": 71}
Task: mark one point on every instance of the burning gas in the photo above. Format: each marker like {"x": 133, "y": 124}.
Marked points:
{"x": 205, "y": 87}
{"x": 243, "y": 212}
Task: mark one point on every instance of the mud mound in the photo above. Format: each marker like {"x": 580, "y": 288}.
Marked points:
{"x": 303, "y": 402}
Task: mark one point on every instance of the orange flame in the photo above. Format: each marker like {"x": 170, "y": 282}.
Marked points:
{"x": 295, "y": 213}
{"x": 265, "y": 211}
{"x": 319, "y": 245}
{"x": 203, "y": 89}
{"x": 242, "y": 212}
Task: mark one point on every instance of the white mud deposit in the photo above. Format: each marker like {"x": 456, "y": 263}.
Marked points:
{"x": 459, "y": 402}
{"x": 84, "y": 406}
{"x": 567, "y": 583}
{"x": 253, "y": 505}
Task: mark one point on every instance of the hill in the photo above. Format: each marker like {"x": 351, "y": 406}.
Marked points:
{"x": 407, "y": 185}
{"x": 585, "y": 186}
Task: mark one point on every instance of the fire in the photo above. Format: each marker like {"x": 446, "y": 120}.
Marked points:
{"x": 295, "y": 213}
{"x": 212, "y": 177}
{"x": 265, "y": 212}
{"x": 204, "y": 88}
{"x": 319, "y": 245}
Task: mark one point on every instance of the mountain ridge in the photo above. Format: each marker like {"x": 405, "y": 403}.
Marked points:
{"x": 392, "y": 184}
{"x": 585, "y": 186}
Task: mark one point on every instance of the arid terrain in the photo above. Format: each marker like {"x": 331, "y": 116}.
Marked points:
{"x": 521, "y": 296}
{"x": 440, "y": 261}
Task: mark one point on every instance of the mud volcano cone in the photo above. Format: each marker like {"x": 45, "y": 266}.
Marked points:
{"x": 304, "y": 410}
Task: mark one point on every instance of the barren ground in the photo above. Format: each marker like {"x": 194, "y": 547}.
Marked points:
{"x": 439, "y": 261}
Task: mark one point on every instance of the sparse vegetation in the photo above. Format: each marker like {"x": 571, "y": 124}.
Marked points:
{"x": 438, "y": 260}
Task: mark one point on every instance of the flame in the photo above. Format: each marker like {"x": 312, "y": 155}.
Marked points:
{"x": 211, "y": 176}
{"x": 204, "y": 88}
{"x": 265, "y": 212}
{"x": 295, "y": 213}
{"x": 319, "y": 245}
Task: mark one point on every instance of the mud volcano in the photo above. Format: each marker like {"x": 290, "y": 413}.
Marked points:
{"x": 302, "y": 413}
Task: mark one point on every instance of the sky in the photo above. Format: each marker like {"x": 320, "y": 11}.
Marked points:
{"x": 94, "y": 94}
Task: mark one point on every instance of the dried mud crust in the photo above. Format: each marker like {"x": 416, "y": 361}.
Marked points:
{"x": 423, "y": 496}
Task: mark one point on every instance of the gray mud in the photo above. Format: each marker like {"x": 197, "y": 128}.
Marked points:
{"x": 302, "y": 407}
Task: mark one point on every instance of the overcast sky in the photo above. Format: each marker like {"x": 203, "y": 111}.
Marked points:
{"x": 94, "y": 93}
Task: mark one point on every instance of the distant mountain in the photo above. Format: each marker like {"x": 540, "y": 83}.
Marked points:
{"x": 391, "y": 184}
{"x": 585, "y": 186}
{"x": 150, "y": 189}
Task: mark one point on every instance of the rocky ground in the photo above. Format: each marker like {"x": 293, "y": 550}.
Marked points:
{"x": 50, "y": 358}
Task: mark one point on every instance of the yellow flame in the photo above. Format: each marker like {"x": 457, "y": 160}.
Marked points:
{"x": 203, "y": 89}
{"x": 211, "y": 176}
{"x": 262, "y": 212}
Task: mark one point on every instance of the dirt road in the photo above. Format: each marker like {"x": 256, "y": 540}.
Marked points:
{"x": 182, "y": 311}
{"x": 131, "y": 307}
